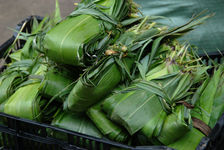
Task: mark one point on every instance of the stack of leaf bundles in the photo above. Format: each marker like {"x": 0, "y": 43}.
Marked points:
{"x": 93, "y": 26}
{"x": 152, "y": 108}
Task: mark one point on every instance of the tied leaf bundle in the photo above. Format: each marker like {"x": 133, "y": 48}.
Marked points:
{"x": 100, "y": 79}
{"x": 29, "y": 106}
{"x": 16, "y": 73}
{"x": 156, "y": 98}
{"x": 95, "y": 84}
{"x": 131, "y": 117}
{"x": 55, "y": 83}
{"x": 107, "y": 127}
{"x": 32, "y": 103}
{"x": 206, "y": 110}
{"x": 7, "y": 86}
{"x": 153, "y": 100}
{"x": 92, "y": 27}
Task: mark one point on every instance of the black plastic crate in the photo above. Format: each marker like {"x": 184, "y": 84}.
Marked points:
{"x": 21, "y": 134}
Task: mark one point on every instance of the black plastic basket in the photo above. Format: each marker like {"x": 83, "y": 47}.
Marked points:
{"x": 21, "y": 134}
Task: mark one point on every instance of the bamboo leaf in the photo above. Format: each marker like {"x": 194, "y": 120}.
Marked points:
{"x": 57, "y": 14}
{"x": 207, "y": 98}
{"x": 63, "y": 49}
{"x": 27, "y": 107}
{"x": 149, "y": 129}
{"x": 84, "y": 95}
{"x": 75, "y": 123}
{"x": 95, "y": 13}
{"x": 189, "y": 141}
{"x": 155, "y": 47}
{"x": 132, "y": 117}
{"x": 106, "y": 126}
{"x": 151, "y": 87}
{"x": 6, "y": 86}
{"x": 199, "y": 91}
{"x": 218, "y": 105}
{"x": 174, "y": 127}
{"x": 27, "y": 48}
{"x": 54, "y": 83}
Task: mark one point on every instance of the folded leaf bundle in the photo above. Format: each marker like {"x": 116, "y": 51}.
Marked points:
{"x": 204, "y": 105}
{"x": 103, "y": 77}
{"x": 29, "y": 105}
{"x": 84, "y": 33}
{"x": 218, "y": 104}
{"x": 55, "y": 83}
{"x": 96, "y": 83}
{"x": 8, "y": 85}
{"x": 167, "y": 129}
{"x": 189, "y": 141}
{"x": 208, "y": 101}
{"x": 25, "y": 102}
{"x": 75, "y": 123}
{"x": 142, "y": 106}
{"x": 106, "y": 126}
{"x": 146, "y": 100}
{"x": 175, "y": 126}
{"x": 16, "y": 73}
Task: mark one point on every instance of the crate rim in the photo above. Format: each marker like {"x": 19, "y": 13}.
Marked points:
{"x": 33, "y": 122}
{"x": 27, "y": 19}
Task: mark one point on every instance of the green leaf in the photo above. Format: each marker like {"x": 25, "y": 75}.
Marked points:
{"x": 149, "y": 129}
{"x": 27, "y": 50}
{"x": 206, "y": 100}
{"x": 199, "y": 91}
{"x": 27, "y": 107}
{"x": 57, "y": 14}
{"x": 133, "y": 117}
{"x": 174, "y": 127}
{"x": 7, "y": 85}
{"x": 106, "y": 126}
{"x": 93, "y": 86}
{"x": 218, "y": 105}
{"x": 189, "y": 141}
{"x": 54, "y": 82}
{"x": 61, "y": 48}
{"x": 75, "y": 123}
{"x": 155, "y": 47}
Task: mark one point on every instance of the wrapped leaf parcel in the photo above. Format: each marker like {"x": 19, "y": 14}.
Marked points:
{"x": 25, "y": 102}
{"x": 92, "y": 27}
{"x": 98, "y": 80}
{"x": 55, "y": 83}
{"x": 106, "y": 126}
